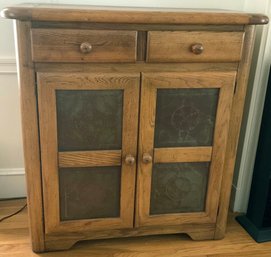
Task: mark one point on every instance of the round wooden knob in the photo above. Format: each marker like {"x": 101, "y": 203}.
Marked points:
{"x": 197, "y": 48}
{"x": 146, "y": 158}
{"x": 129, "y": 159}
{"x": 85, "y": 47}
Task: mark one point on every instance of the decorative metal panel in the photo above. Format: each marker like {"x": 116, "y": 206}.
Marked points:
{"x": 89, "y": 193}
{"x": 185, "y": 117}
{"x": 178, "y": 187}
{"x": 89, "y": 119}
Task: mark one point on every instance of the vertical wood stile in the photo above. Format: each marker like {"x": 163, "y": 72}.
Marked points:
{"x": 30, "y": 131}
{"x": 234, "y": 130}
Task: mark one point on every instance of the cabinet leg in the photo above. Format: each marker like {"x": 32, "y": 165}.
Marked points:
{"x": 220, "y": 232}
{"x": 59, "y": 245}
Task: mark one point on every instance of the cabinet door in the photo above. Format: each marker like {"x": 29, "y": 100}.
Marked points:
{"x": 88, "y": 131}
{"x": 184, "y": 120}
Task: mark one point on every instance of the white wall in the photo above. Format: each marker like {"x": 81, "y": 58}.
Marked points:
{"x": 11, "y": 163}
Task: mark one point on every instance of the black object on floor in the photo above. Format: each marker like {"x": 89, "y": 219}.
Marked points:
{"x": 257, "y": 221}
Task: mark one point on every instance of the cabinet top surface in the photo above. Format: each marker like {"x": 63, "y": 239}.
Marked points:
{"x": 87, "y": 13}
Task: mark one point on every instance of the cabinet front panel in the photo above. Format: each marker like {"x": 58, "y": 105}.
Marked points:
{"x": 89, "y": 120}
{"x": 98, "y": 188}
{"x": 178, "y": 187}
{"x": 183, "y": 133}
{"x": 89, "y": 145}
{"x": 185, "y": 117}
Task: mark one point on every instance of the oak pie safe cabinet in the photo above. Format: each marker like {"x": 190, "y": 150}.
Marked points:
{"x": 130, "y": 119}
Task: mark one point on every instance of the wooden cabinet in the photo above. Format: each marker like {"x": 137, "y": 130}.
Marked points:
{"x": 130, "y": 119}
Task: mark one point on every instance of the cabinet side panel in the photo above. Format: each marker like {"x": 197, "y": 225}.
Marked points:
{"x": 234, "y": 129}
{"x": 30, "y": 134}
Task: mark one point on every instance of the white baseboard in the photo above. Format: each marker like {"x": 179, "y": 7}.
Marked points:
{"x": 12, "y": 183}
{"x": 12, "y": 171}
{"x": 8, "y": 66}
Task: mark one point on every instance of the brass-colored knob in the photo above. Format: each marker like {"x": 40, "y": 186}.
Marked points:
{"x": 85, "y": 47}
{"x": 146, "y": 158}
{"x": 129, "y": 159}
{"x": 197, "y": 48}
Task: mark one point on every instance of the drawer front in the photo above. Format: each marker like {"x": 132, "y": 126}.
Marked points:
{"x": 70, "y": 45}
{"x": 194, "y": 46}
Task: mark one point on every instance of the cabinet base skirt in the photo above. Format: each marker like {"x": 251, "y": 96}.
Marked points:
{"x": 64, "y": 241}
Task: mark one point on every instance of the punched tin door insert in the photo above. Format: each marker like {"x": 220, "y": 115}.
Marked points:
{"x": 89, "y": 145}
{"x": 183, "y": 133}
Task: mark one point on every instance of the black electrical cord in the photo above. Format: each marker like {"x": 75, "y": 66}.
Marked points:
{"x": 14, "y": 213}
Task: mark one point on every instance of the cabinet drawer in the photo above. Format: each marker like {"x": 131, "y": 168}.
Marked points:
{"x": 68, "y": 45}
{"x": 194, "y": 46}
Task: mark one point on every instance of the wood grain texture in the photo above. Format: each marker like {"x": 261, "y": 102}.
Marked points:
{"x": 234, "y": 130}
{"x": 141, "y": 45}
{"x": 30, "y": 133}
{"x": 43, "y": 12}
{"x": 129, "y": 147}
{"x": 89, "y": 158}
{"x": 87, "y": 81}
{"x": 137, "y": 67}
{"x": 14, "y": 241}
{"x": 164, "y": 46}
{"x": 63, "y": 45}
{"x": 220, "y": 142}
{"x": 145, "y": 147}
{"x": 49, "y": 163}
{"x": 138, "y": 27}
{"x": 182, "y": 154}
{"x": 190, "y": 79}
{"x": 67, "y": 240}
{"x": 48, "y": 83}
{"x": 150, "y": 83}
